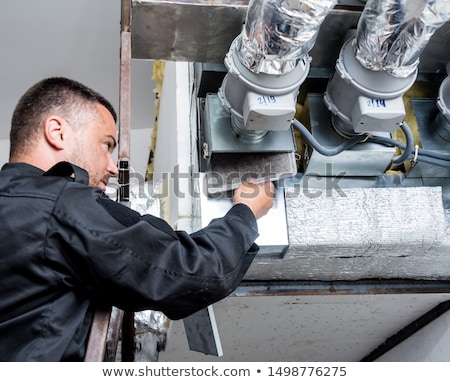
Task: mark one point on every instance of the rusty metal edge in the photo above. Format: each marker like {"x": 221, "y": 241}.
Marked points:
{"x": 96, "y": 347}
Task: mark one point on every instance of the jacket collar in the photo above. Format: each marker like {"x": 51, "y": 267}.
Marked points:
{"x": 62, "y": 169}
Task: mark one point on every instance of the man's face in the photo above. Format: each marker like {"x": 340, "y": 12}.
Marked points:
{"x": 93, "y": 148}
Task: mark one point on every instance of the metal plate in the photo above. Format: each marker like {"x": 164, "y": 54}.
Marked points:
{"x": 202, "y": 31}
{"x": 365, "y": 159}
{"x": 273, "y": 239}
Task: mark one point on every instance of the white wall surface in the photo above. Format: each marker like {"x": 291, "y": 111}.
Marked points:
{"x": 78, "y": 39}
{"x": 174, "y": 141}
{"x": 4, "y": 151}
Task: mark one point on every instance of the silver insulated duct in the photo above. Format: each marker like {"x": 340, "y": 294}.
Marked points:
{"x": 268, "y": 62}
{"x": 277, "y": 33}
{"x": 392, "y": 33}
{"x": 378, "y": 65}
{"x": 247, "y": 124}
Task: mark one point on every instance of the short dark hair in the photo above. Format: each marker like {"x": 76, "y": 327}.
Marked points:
{"x": 52, "y": 95}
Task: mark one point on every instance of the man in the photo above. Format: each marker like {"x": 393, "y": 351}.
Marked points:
{"x": 66, "y": 246}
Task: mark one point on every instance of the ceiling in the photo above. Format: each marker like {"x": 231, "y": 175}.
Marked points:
{"x": 334, "y": 328}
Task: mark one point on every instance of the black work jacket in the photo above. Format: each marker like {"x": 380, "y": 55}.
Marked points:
{"x": 65, "y": 246}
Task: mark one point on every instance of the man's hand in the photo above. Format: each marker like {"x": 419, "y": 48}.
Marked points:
{"x": 258, "y": 197}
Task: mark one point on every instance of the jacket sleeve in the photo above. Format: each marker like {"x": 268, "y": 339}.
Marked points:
{"x": 135, "y": 262}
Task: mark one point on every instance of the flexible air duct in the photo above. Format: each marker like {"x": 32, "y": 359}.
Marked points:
{"x": 392, "y": 33}
{"x": 268, "y": 62}
{"x": 379, "y": 64}
{"x": 277, "y": 33}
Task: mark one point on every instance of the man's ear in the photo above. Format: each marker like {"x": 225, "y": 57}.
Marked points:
{"x": 54, "y": 132}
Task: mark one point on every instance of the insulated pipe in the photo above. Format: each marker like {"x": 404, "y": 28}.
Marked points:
{"x": 379, "y": 64}
{"x": 277, "y": 33}
{"x": 441, "y": 124}
{"x": 268, "y": 62}
{"x": 391, "y": 34}
{"x": 363, "y": 100}
{"x": 422, "y": 155}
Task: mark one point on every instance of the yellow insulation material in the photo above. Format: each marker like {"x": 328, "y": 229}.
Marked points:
{"x": 163, "y": 186}
{"x": 418, "y": 90}
{"x": 302, "y": 115}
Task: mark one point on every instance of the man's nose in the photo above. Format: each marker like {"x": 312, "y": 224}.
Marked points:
{"x": 112, "y": 168}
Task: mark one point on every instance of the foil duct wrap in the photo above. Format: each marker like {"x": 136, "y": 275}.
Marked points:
{"x": 151, "y": 326}
{"x": 336, "y": 233}
{"x": 277, "y": 33}
{"x": 391, "y": 34}
{"x": 151, "y": 334}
